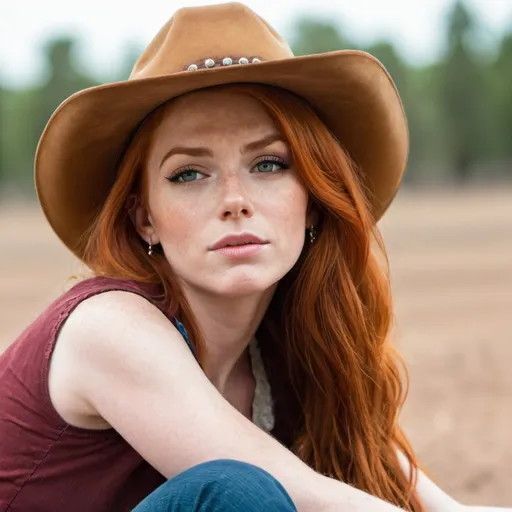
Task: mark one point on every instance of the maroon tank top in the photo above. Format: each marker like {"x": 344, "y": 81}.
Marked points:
{"x": 47, "y": 465}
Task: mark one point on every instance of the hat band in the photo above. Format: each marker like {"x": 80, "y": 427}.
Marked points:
{"x": 210, "y": 63}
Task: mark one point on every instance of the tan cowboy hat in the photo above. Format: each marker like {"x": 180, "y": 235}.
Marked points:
{"x": 201, "y": 47}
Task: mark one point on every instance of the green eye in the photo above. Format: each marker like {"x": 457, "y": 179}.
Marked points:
{"x": 185, "y": 176}
{"x": 269, "y": 166}
{"x": 188, "y": 176}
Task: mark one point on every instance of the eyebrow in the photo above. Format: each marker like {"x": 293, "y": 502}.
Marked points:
{"x": 203, "y": 151}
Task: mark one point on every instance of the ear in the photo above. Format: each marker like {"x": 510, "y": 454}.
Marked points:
{"x": 143, "y": 222}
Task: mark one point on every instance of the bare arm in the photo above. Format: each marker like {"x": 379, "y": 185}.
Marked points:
{"x": 477, "y": 508}
{"x": 435, "y": 499}
{"x": 122, "y": 357}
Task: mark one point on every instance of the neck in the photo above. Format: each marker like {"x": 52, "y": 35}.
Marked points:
{"x": 228, "y": 325}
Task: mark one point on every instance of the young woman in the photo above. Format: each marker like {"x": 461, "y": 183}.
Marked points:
{"x": 232, "y": 351}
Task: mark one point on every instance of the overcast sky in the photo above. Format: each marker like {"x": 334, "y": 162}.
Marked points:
{"x": 106, "y": 26}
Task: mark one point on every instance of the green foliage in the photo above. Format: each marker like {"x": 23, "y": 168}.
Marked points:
{"x": 3, "y": 157}
{"x": 315, "y": 36}
{"x": 16, "y": 121}
{"x": 459, "y": 108}
{"x": 464, "y": 95}
{"x": 24, "y": 113}
{"x": 501, "y": 95}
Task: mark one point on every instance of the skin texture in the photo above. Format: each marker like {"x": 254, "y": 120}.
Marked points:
{"x": 232, "y": 190}
{"x": 120, "y": 363}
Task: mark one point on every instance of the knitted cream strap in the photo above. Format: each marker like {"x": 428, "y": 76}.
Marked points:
{"x": 263, "y": 404}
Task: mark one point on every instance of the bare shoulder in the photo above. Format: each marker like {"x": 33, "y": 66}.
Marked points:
{"x": 111, "y": 311}
{"x": 120, "y": 362}
{"x": 116, "y": 321}
{"x": 133, "y": 370}
{"x": 129, "y": 364}
{"x": 106, "y": 333}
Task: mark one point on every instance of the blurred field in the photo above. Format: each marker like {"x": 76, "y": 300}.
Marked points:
{"x": 451, "y": 260}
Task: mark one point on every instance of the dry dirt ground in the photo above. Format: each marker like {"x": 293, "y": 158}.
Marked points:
{"x": 451, "y": 262}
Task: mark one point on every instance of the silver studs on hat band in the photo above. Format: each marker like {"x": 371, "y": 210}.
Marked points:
{"x": 226, "y": 61}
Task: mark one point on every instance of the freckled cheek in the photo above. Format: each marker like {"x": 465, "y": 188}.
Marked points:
{"x": 180, "y": 224}
{"x": 285, "y": 213}
{"x": 287, "y": 206}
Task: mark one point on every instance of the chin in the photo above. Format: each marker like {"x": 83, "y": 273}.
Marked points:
{"x": 247, "y": 284}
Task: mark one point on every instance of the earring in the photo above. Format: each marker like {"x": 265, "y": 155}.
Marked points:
{"x": 312, "y": 234}
{"x": 150, "y": 248}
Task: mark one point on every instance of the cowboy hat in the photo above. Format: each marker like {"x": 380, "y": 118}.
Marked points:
{"x": 200, "y": 47}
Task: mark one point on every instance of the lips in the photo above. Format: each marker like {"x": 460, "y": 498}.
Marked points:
{"x": 237, "y": 240}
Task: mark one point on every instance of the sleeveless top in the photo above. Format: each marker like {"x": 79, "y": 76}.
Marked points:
{"x": 47, "y": 465}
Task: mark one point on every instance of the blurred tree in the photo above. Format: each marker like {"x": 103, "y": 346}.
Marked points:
{"x": 131, "y": 54}
{"x": 502, "y": 86}
{"x": 313, "y": 35}
{"x": 317, "y": 36}
{"x": 15, "y": 145}
{"x": 429, "y": 145}
{"x": 3, "y": 162}
{"x": 64, "y": 79}
{"x": 401, "y": 74}
{"x": 25, "y": 112}
{"x": 397, "y": 68}
{"x": 459, "y": 108}
{"x": 463, "y": 90}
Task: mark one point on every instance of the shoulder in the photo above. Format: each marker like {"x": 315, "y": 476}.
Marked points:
{"x": 97, "y": 285}
{"x": 97, "y": 304}
{"x": 115, "y": 321}
{"x": 110, "y": 305}
{"x": 115, "y": 336}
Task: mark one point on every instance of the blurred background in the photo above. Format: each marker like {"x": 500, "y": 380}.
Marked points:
{"x": 449, "y": 232}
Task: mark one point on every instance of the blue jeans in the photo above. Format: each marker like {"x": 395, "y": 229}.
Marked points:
{"x": 219, "y": 486}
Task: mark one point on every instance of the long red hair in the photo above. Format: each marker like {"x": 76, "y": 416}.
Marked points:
{"x": 325, "y": 336}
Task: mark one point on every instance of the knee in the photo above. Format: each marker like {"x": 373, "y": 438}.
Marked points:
{"x": 253, "y": 488}
{"x": 233, "y": 485}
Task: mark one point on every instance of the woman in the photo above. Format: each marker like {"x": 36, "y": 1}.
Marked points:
{"x": 226, "y": 193}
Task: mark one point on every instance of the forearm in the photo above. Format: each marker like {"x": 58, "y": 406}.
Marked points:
{"x": 309, "y": 490}
{"x": 436, "y": 500}
{"x": 331, "y": 495}
{"x": 485, "y": 509}
{"x": 161, "y": 419}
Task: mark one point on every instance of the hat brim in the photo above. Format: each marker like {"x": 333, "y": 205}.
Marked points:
{"x": 83, "y": 141}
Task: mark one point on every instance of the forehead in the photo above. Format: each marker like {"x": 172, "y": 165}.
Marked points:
{"x": 213, "y": 113}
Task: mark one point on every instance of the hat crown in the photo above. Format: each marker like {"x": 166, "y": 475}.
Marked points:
{"x": 195, "y": 34}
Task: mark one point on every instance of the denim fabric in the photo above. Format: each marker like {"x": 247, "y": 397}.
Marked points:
{"x": 219, "y": 486}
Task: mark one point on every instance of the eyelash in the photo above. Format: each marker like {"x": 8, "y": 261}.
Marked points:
{"x": 180, "y": 172}
{"x": 274, "y": 159}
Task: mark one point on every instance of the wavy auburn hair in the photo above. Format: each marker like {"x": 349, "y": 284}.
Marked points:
{"x": 325, "y": 336}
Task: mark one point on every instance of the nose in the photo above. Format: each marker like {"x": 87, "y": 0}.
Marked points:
{"x": 235, "y": 202}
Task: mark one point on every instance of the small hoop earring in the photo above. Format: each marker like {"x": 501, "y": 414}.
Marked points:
{"x": 312, "y": 234}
